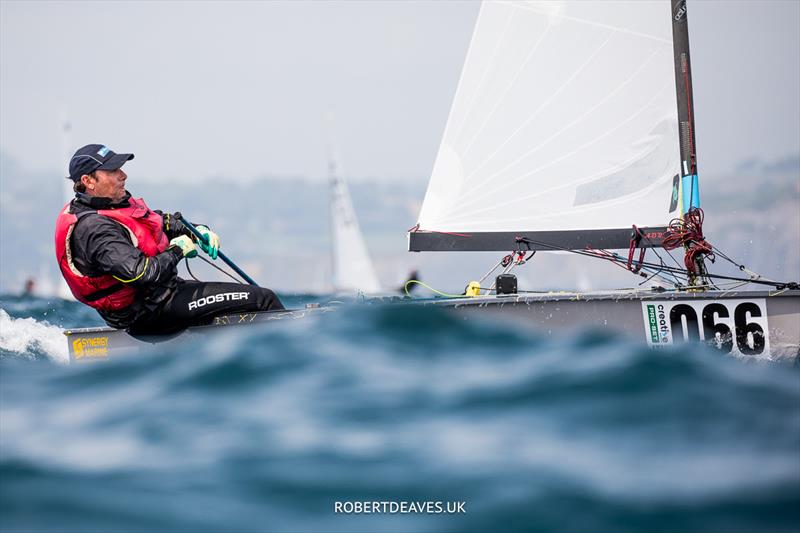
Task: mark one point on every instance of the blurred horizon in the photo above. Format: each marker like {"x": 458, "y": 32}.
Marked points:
{"x": 288, "y": 248}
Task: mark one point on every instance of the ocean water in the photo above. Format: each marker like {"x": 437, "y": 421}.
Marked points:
{"x": 271, "y": 428}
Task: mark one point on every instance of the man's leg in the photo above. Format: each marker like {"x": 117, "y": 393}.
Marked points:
{"x": 196, "y": 303}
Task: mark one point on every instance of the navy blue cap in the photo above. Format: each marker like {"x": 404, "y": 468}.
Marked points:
{"x": 95, "y": 157}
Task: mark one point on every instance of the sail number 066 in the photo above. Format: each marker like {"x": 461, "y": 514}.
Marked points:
{"x": 748, "y": 335}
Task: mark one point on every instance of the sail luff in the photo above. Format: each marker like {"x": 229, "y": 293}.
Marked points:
{"x": 450, "y": 125}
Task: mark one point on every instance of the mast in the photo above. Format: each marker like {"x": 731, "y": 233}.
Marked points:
{"x": 683, "y": 86}
{"x": 688, "y": 188}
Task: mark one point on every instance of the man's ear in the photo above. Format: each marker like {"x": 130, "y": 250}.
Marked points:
{"x": 87, "y": 181}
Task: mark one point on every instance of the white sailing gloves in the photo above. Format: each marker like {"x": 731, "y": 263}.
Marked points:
{"x": 185, "y": 244}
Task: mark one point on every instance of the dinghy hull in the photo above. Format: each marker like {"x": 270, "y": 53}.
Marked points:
{"x": 743, "y": 323}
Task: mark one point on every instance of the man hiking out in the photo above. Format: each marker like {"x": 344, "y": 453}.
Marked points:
{"x": 121, "y": 258}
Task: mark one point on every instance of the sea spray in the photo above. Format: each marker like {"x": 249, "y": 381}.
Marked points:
{"x": 30, "y": 338}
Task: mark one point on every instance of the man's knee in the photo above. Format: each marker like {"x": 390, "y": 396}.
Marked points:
{"x": 269, "y": 300}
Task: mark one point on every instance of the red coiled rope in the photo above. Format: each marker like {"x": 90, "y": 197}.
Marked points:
{"x": 689, "y": 233}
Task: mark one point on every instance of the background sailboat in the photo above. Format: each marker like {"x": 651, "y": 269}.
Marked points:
{"x": 66, "y": 153}
{"x": 352, "y": 268}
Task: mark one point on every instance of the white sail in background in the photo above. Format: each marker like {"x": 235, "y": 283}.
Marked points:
{"x": 352, "y": 267}
{"x": 565, "y": 118}
{"x": 68, "y": 193}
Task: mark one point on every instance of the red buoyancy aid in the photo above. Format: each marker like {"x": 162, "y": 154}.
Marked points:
{"x": 106, "y": 292}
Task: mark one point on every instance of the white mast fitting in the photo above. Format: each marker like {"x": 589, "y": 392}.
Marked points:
{"x": 564, "y": 126}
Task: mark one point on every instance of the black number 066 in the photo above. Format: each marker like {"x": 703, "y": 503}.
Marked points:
{"x": 711, "y": 329}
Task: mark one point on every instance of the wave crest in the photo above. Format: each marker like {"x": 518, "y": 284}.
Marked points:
{"x": 31, "y": 339}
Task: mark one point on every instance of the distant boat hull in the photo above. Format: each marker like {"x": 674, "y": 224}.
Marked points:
{"x": 747, "y": 323}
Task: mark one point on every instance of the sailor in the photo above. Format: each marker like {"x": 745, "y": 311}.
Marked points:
{"x": 121, "y": 258}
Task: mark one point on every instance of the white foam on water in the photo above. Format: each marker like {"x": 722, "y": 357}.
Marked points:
{"x": 26, "y": 335}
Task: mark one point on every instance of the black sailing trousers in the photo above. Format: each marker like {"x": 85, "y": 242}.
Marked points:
{"x": 196, "y": 303}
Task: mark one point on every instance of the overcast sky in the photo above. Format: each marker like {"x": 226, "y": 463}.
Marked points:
{"x": 242, "y": 89}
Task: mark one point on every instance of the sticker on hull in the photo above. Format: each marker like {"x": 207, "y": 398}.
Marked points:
{"x": 89, "y": 347}
{"x": 732, "y": 326}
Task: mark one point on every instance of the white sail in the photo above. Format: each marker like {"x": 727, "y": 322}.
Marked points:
{"x": 68, "y": 194}
{"x": 565, "y": 118}
{"x": 352, "y": 267}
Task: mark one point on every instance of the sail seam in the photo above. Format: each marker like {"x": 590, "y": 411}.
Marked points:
{"x": 582, "y": 209}
{"x": 535, "y": 114}
{"x": 565, "y": 156}
{"x": 527, "y": 7}
{"x": 565, "y": 128}
{"x": 499, "y": 100}
{"x": 486, "y": 71}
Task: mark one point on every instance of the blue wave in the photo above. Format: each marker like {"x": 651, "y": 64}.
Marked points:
{"x": 267, "y": 428}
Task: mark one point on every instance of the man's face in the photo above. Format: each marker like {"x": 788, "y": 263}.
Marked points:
{"x": 108, "y": 184}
